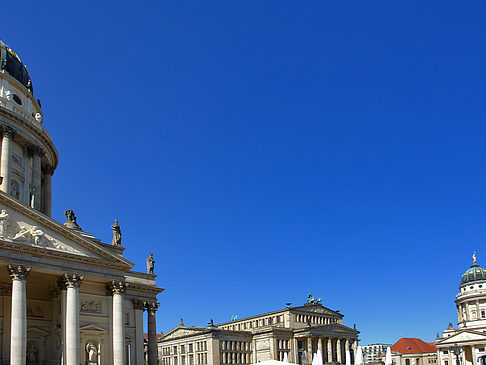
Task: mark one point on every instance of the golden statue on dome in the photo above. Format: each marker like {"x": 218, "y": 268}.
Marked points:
{"x": 474, "y": 257}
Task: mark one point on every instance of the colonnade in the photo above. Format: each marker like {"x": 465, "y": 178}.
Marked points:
{"x": 70, "y": 283}
{"x": 333, "y": 349}
{"x": 37, "y": 191}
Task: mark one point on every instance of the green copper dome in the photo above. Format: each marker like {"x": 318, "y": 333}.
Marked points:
{"x": 10, "y": 62}
{"x": 474, "y": 273}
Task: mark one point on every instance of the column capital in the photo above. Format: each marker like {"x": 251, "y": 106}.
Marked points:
{"x": 48, "y": 170}
{"x": 138, "y": 304}
{"x": 37, "y": 151}
{"x": 151, "y": 306}
{"x": 118, "y": 287}
{"x": 70, "y": 281}
{"x": 8, "y": 132}
{"x": 18, "y": 272}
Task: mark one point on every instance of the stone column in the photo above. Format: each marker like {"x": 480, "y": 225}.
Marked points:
{"x": 7, "y": 135}
{"x": 47, "y": 198}
{"x": 346, "y": 349}
{"x": 338, "y": 350}
{"x": 329, "y": 350}
{"x": 319, "y": 347}
{"x": 118, "y": 289}
{"x": 138, "y": 307}
{"x": 295, "y": 349}
{"x": 308, "y": 355}
{"x": 152, "y": 332}
{"x": 18, "y": 332}
{"x": 37, "y": 152}
{"x": 72, "y": 282}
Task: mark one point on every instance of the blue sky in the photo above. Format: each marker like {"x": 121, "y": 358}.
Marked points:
{"x": 263, "y": 150}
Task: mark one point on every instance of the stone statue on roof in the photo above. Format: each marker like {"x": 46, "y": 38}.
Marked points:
{"x": 150, "y": 264}
{"x": 71, "y": 220}
{"x": 117, "y": 235}
{"x": 312, "y": 300}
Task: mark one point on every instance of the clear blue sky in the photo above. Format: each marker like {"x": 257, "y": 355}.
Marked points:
{"x": 263, "y": 150}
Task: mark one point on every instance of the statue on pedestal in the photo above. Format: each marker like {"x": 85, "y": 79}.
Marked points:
{"x": 117, "y": 235}
{"x": 71, "y": 220}
{"x": 4, "y": 217}
{"x": 150, "y": 264}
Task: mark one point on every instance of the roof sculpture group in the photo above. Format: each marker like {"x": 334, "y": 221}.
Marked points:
{"x": 312, "y": 300}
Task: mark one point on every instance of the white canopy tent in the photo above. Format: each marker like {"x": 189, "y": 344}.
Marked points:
{"x": 273, "y": 362}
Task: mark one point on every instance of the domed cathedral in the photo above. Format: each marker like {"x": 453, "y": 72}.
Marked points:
{"x": 466, "y": 345}
{"x": 28, "y": 157}
{"x": 66, "y": 297}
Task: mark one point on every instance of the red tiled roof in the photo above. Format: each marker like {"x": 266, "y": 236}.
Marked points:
{"x": 145, "y": 336}
{"x": 413, "y": 346}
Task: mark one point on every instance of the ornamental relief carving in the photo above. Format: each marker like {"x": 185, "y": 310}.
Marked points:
{"x": 28, "y": 234}
{"x": 35, "y": 311}
{"x": 91, "y": 306}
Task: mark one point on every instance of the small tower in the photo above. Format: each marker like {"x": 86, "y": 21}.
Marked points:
{"x": 28, "y": 157}
{"x": 471, "y": 300}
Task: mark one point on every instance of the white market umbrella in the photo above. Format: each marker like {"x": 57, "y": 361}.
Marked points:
{"x": 388, "y": 356}
{"x": 358, "y": 356}
{"x": 286, "y": 357}
{"x": 348, "y": 357}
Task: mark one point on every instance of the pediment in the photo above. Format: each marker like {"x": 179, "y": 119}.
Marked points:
{"x": 24, "y": 229}
{"x": 463, "y": 336}
{"x": 182, "y": 332}
{"x": 92, "y": 328}
{"x": 336, "y": 327}
{"x": 319, "y": 309}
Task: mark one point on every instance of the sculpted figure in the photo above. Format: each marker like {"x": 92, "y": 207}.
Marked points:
{"x": 13, "y": 190}
{"x": 22, "y": 235}
{"x": 116, "y": 234}
{"x": 32, "y": 196}
{"x": 71, "y": 219}
{"x": 4, "y": 217}
{"x": 37, "y": 234}
{"x": 92, "y": 353}
{"x": 150, "y": 264}
{"x": 32, "y": 355}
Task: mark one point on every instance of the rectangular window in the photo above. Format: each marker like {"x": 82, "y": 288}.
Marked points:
{"x": 183, "y": 350}
{"x": 190, "y": 348}
{"x": 191, "y": 359}
{"x": 183, "y": 360}
{"x": 175, "y": 360}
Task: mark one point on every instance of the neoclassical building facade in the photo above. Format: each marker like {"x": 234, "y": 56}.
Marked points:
{"x": 296, "y": 331}
{"x": 65, "y": 296}
{"x": 469, "y": 338}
